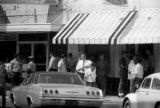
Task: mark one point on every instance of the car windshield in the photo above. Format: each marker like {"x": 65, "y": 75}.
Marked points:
{"x": 48, "y": 78}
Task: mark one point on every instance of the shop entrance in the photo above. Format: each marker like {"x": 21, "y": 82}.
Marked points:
{"x": 7, "y": 50}
{"x": 36, "y": 45}
{"x": 36, "y": 49}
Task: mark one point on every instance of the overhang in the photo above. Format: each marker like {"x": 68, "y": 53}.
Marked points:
{"x": 94, "y": 28}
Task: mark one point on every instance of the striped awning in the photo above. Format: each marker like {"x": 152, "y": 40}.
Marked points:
{"x": 94, "y": 28}
{"x": 143, "y": 29}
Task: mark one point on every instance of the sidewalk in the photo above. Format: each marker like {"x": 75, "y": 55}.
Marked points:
{"x": 113, "y": 99}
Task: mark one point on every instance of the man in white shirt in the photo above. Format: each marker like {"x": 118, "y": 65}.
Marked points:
{"x": 62, "y": 64}
{"x": 131, "y": 73}
{"x": 16, "y": 68}
{"x": 138, "y": 72}
{"x": 53, "y": 63}
{"x": 83, "y": 65}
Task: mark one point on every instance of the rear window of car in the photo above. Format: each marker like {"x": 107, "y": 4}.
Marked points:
{"x": 59, "y": 79}
{"x": 156, "y": 84}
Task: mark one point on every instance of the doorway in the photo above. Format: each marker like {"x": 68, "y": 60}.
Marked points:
{"x": 36, "y": 49}
{"x": 7, "y": 50}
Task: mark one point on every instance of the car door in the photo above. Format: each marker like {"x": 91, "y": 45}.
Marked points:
{"x": 25, "y": 91}
{"x": 143, "y": 93}
{"x": 18, "y": 93}
{"x": 154, "y": 93}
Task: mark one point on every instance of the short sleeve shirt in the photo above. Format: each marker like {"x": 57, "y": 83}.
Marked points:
{"x": 62, "y": 66}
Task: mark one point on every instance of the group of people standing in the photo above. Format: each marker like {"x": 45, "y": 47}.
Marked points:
{"x": 133, "y": 68}
{"x": 63, "y": 63}
{"x": 16, "y": 67}
{"x": 94, "y": 73}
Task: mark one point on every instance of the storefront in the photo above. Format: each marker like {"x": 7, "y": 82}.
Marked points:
{"x": 28, "y": 40}
{"x": 95, "y": 33}
{"x": 27, "y": 27}
{"x": 112, "y": 32}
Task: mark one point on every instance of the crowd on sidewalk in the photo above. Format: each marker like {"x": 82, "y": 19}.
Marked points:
{"x": 133, "y": 68}
{"x": 16, "y": 68}
{"x": 93, "y": 72}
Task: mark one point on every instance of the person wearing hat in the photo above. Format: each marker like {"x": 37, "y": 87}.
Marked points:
{"x": 31, "y": 65}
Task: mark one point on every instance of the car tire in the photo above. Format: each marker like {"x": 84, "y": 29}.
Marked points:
{"x": 14, "y": 106}
{"x": 30, "y": 105}
{"x": 157, "y": 105}
{"x": 12, "y": 103}
{"x": 127, "y": 104}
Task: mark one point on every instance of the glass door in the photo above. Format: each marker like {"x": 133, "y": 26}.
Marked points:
{"x": 40, "y": 56}
{"x": 25, "y": 50}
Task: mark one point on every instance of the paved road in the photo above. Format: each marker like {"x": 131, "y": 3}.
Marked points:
{"x": 109, "y": 102}
{"x": 112, "y": 102}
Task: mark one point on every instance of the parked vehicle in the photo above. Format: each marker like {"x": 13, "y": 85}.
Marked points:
{"x": 147, "y": 96}
{"x": 55, "y": 89}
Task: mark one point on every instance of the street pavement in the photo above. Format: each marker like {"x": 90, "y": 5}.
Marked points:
{"x": 112, "y": 102}
{"x": 109, "y": 102}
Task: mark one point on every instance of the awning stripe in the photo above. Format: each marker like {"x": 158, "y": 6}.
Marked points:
{"x": 69, "y": 34}
{"x": 64, "y": 40}
{"x": 125, "y": 23}
{"x": 65, "y": 32}
{"x": 118, "y": 27}
{"x": 54, "y": 40}
{"x": 143, "y": 29}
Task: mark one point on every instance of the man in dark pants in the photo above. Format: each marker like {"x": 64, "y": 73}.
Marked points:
{"x": 3, "y": 84}
{"x": 123, "y": 75}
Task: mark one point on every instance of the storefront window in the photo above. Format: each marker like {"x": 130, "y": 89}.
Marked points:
{"x": 25, "y": 50}
{"x": 40, "y": 56}
{"x": 33, "y": 37}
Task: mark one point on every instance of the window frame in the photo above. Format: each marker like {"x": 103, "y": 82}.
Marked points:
{"x": 142, "y": 87}
{"x": 153, "y": 82}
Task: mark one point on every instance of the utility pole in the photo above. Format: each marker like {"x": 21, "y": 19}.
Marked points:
{"x": 3, "y": 84}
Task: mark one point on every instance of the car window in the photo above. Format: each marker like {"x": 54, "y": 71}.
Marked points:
{"x": 156, "y": 84}
{"x": 59, "y": 79}
{"x": 24, "y": 81}
{"x": 146, "y": 83}
{"x": 30, "y": 79}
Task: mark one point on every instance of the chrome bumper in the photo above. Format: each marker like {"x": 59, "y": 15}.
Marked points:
{"x": 70, "y": 102}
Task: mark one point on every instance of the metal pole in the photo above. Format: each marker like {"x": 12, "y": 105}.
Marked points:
{"x": 4, "y": 95}
{"x": 3, "y": 84}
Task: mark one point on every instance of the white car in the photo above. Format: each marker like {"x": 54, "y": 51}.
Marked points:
{"x": 147, "y": 96}
{"x": 43, "y": 89}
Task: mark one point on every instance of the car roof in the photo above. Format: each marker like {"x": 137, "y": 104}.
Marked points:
{"x": 55, "y": 72}
{"x": 157, "y": 74}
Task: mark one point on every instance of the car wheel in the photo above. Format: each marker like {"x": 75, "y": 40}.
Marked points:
{"x": 127, "y": 104}
{"x": 13, "y": 105}
{"x": 157, "y": 105}
{"x": 30, "y": 105}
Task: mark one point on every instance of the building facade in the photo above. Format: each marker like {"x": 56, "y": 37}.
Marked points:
{"x": 93, "y": 31}
{"x": 28, "y": 26}
{"x": 37, "y": 27}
